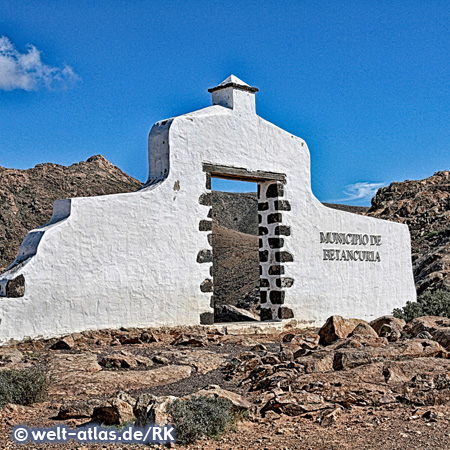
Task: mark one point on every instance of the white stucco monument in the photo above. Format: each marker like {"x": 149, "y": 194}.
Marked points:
{"x": 143, "y": 259}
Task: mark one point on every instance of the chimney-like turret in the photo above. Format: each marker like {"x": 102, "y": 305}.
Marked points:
{"x": 235, "y": 94}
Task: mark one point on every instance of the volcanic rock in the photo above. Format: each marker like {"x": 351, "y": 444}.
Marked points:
{"x": 336, "y": 327}
{"x": 27, "y": 196}
{"x": 423, "y": 205}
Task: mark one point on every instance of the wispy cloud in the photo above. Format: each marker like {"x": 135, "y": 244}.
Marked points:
{"x": 361, "y": 191}
{"x": 28, "y": 72}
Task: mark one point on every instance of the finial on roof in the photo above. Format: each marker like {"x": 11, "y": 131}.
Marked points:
{"x": 233, "y": 82}
{"x": 233, "y": 93}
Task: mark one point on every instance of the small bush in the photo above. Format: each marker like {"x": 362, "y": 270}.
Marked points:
{"x": 431, "y": 303}
{"x": 23, "y": 387}
{"x": 431, "y": 234}
{"x": 201, "y": 416}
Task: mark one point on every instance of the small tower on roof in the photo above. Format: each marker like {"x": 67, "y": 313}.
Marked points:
{"x": 235, "y": 94}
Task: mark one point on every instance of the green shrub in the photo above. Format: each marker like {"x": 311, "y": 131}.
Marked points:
{"x": 201, "y": 416}
{"x": 431, "y": 303}
{"x": 23, "y": 386}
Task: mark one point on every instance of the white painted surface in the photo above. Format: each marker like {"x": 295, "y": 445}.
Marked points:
{"x": 131, "y": 259}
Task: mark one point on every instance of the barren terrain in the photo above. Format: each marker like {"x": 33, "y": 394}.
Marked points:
{"x": 301, "y": 389}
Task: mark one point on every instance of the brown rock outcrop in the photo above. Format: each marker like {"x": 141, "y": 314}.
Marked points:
{"x": 27, "y": 196}
{"x": 437, "y": 327}
{"x": 423, "y": 205}
{"x": 336, "y": 327}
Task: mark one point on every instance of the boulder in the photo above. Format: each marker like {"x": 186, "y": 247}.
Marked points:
{"x": 321, "y": 361}
{"x": 438, "y": 327}
{"x": 155, "y": 412}
{"x": 348, "y": 358}
{"x": 10, "y": 355}
{"x": 361, "y": 341}
{"x": 288, "y": 337}
{"x": 142, "y": 402}
{"x": 442, "y": 335}
{"x": 330, "y": 416}
{"x": 83, "y": 409}
{"x": 229, "y": 313}
{"x": 336, "y": 327}
{"x": 426, "y": 323}
{"x": 239, "y": 402}
{"x": 294, "y": 404}
{"x": 117, "y": 411}
{"x": 394, "y": 324}
{"x": 190, "y": 340}
{"x": 148, "y": 337}
{"x": 363, "y": 329}
{"x": 130, "y": 340}
{"x": 424, "y": 335}
{"x": 118, "y": 361}
{"x": 259, "y": 348}
{"x": 390, "y": 333}
{"x": 66, "y": 343}
{"x": 158, "y": 359}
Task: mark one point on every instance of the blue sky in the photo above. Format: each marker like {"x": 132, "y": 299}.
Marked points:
{"x": 366, "y": 84}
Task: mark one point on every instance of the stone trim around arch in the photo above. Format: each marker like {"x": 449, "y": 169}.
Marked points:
{"x": 273, "y": 260}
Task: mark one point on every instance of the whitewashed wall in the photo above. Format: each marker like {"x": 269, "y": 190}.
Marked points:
{"x": 131, "y": 259}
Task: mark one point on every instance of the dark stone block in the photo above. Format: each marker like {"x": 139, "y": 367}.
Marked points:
{"x": 282, "y": 205}
{"x": 263, "y": 206}
{"x": 261, "y": 243}
{"x": 283, "y": 257}
{"x": 208, "y": 181}
{"x": 262, "y": 231}
{"x": 207, "y": 285}
{"x": 264, "y": 282}
{"x": 276, "y": 242}
{"x": 205, "y": 225}
{"x": 209, "y": 213}
{"x": 275, "y": 190}
{"x": 266, "y": 314}
{"x": 284, "y": 282}
{"x": 259, "y": 218}
{"x": 207, "y": 318}
{"x": 282, "y": 230}
{"x": 259, "y": 191}
{"x": 263, "y": 296}
{"x": 276, "y": 270}
{"x": 277, "y": 297}
{"x": 210, "y": 239}
{"x": 274, "y": 218}
{"x": 16, "y": 287}
{"x": 263, "y": 256}
{"x": 205, "y": 199}
{"x": 205, "y": 256}
{"x": 285, "y": 313}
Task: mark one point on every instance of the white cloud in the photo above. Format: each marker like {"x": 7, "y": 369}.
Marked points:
{"x": 361, "y": 191}
{"x": 27, "y": 71}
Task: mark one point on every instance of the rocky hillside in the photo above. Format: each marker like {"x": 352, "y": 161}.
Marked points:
{"x": 424, "y": 205}
{"x": 348, "y": 208}
{"x": 27, "y": 196}
{"x": 236, "y": 268}
{"x": 236, "y": 250}
{"x": 236, "y": 211}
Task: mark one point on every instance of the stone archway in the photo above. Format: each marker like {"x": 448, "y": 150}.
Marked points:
{"x": 272, "y": 233}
